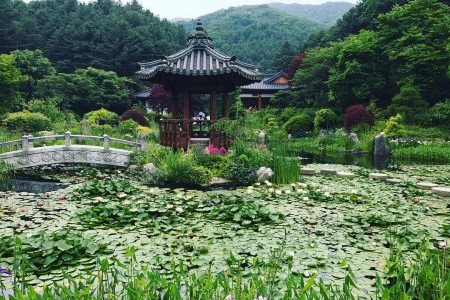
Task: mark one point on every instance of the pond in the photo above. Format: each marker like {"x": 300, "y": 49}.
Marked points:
{"x": 319, "y": 222}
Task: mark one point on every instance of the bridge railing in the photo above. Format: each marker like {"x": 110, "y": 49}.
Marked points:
{"x": 27, "y": 141}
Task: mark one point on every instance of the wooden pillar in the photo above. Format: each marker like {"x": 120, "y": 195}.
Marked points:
{"x": 225, "y": 103}
{"x": 213, "y": 106}
{"x": 174, "y": 105}
{"x": 259, "y": 102}
{"x": 186, "y": 109}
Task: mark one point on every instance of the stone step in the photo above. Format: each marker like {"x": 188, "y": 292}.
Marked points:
{"x": 344, "y": 174}
{"x": 393, "y": 181}
{"x": 328, "y": 171}
{"x": 378, "y": 176}
{"x": 307, "y": 171}
{"x": 441, "y": 191}
{"x": 426, "y": 185}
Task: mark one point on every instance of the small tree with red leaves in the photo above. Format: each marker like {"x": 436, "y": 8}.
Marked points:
{"x": 358, "y": 114}
{"x": 159, "y": 98}
{"x": 135, "y": 115}
{"x": 296, "y": 64}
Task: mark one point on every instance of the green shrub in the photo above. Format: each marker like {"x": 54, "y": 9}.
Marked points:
{"x": 299, "y": 122}
{"x": 218, "y": 164}
{"x": 47, "y": 107}
{"x": 394, "y": 126}
{"x": 324, "y": 119}
{"x": 288, "y": 113}
{"x": 180, "y": 169}
{"x": 101, "y": 117}
{"x": 440, "y": 113}
{"x": 26, "y": 122}
{"x": 128, "y": 127}
{"x": 241, "y": 171}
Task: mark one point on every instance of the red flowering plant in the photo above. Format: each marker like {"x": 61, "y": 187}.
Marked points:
{"x": 214, "y": 150}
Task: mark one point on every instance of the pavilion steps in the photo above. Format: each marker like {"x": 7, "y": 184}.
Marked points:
{"x": 198, "y": 142}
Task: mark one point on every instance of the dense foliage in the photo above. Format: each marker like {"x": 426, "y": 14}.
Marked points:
{"x": 105, "y": 34}
{"x": 402, "y": 61}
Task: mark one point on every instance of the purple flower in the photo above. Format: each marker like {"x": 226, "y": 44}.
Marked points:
{"x": 442, "y": 245}
{"x": 5, "y": 271}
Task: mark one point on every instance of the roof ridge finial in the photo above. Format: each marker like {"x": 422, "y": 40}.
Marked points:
{"x": 199, "y": 30}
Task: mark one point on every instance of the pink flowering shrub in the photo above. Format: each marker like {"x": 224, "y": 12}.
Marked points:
{"x": 214, "y": 150}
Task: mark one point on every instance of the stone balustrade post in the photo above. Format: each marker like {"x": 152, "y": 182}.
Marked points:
{"x": 142, "y": 141}
{"x": 25, "y": 143}
{"x": 105, "y": 142}
{"x": 67, "y": 140}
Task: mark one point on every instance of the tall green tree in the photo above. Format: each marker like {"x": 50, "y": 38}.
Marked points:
{"x": 415, "y": 39}
{"x": 314, "y": 73}
{"x": 88, "y": 89}
{"x": 359, "y": 74}
{"x": 35, "y": 66}
{"x": 10, "y": 80}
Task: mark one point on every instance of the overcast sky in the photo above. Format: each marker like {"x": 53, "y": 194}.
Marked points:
{"x": 194, "y": 8}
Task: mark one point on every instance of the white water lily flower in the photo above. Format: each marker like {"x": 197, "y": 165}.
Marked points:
{"x": 278, "y": 192}
{"x": 268, "y": 183}
{"x": 169, "y": 206}
{"x": 301, "y": 184}
{"x": 257, "y": 184}
{"x": 250, "y": 187}
{"x": 151, "y": 191}
{"x": 271, "y": 190}
{"x": 327, "y": 194}
{"x": 305, "y": 198}
{"x": 188, "y": 197}
{"x": 287, "y": 191}
{"x": 121, "y": 195}
{"x": 98, "y": 199}
{"x": 179, "y": 210}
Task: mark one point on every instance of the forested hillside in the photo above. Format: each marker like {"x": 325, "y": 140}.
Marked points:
{"x": 104, "y": 34}
{"x": 399, "y": 61}
{"x": 326, "y": 13}
{"x": 256, "y": 34}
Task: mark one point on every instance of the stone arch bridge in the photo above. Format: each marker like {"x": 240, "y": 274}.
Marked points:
{"x": 24, "y": 153}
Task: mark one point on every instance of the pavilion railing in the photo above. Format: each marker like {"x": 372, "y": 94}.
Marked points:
{"x": 176, "y": 133}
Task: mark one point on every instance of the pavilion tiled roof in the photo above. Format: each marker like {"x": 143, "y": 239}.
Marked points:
{"x": 199, "y": 58}
{"x": 267, "y": 84}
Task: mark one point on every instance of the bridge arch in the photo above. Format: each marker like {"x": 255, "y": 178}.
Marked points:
{"x": 29, "y": 156}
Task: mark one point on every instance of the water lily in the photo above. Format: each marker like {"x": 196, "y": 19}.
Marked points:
{"x": 179, "y": 210}
{"x": 271, "y": 190}
{"x": 169, "y": 206}
{"x": 229, "y": 297}
{"x": 62, "y": 197}
{"x": 257, "y": 184}
{"x": 442, "y": 245}
{"x": 303, "y": 185}
{"x": 151, "y": 191}
{"x": 98, "y": 199}
{"x": 121, "y": 195}
{"x": 327, "y": 194}
{"x": 40, "y": 203}
{"x": 305, "y": 198}
{"x": 5, "y": 271}
{"x": 287, "y": 191}
{"x": 268, "y": 183}
{"x": 278, "y": 192}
